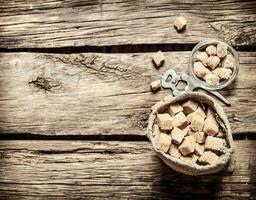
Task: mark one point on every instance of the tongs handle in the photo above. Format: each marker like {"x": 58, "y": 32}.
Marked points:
{"x": 191, "y": 84}
{"x": 217, "y": 94}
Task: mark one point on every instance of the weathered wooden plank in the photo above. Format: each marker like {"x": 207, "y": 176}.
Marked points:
{"x": 38, "y": 24}
{"x": 116, "y": 170}
{"x": 94, "y": 94}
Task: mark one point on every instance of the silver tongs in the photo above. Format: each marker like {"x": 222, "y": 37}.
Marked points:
{"x": 170, "y": 79}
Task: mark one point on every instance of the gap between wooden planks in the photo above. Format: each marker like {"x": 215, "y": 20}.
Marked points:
{"x": 40, "y": 24}
{"x": 101, "y": 169}
{"x": 100, "y": 94}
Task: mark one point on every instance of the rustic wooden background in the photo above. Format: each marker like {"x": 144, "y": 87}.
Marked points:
{"x": 75, "y": 97}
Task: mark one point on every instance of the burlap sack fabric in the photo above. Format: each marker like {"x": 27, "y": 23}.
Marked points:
{"x": 226, "y": 160}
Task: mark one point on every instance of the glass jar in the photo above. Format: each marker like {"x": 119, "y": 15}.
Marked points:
{"x": 201, "y": 47}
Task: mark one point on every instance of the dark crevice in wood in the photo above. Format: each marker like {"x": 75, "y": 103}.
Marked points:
{"x": 29, "y": 136}
{"x": 129, "y": 48}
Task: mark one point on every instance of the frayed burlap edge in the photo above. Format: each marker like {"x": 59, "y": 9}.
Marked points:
{"x": 226, "y": 161}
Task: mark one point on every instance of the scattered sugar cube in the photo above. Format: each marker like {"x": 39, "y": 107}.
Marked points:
{"x": 164, "y": 121}
{"x": 222, "y": 50}
{"x": 199, "y": 149}
{"x": 208, "y": 157}
{"x": 191, "y": 159}
{"x": 156, "y": 131}
{"x": 155, "y": 85}
{"x": 216, "y": 71}
{"x": 189, "y": 106}
{"x": 164, "y": 142}
{"x": 229, "y": 62}
{"x": 225, "y": 73}
{"x": 212, "y": 79}
{"x": 175, "y": 108}
{"x": 180, "y": 120}
{"x": 177, "y": 135}
{"x": 180, "y": 23}
{"x": 188, "y": 145}
{"x": 215, "y": 144}
{"x": 211, "y": 126}
{"x": 202, "y": 56}
{"x": 200, "y": 137}
{"x": 200, "y": 70}
{"x": 197, "y": 122}
{"x": 211, "y": 50}
{"x": 174, "y": 151}
{"x": 158, "y": 58}
{"x": 213, "y": 62}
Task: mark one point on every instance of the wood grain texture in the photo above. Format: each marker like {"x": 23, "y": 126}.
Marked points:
{"x": 115, "y": 170}
{"x": 94, "y": 94}
{"x": 55, "y": 23}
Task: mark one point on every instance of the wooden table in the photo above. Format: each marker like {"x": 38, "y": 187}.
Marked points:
{"x": 75, "y": 97}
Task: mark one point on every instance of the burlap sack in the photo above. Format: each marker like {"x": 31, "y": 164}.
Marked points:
{"x": 226, "y": 161}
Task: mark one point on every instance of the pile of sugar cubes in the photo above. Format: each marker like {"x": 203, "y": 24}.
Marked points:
{"x": 190, "y": 131}
{"x": 215, "y": 64}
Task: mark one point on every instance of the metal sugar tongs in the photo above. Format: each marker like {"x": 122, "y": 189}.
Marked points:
{"x": 170, "y": 80}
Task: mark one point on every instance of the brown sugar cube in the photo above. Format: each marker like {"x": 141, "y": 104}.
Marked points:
{"x": 188, "y": 145}
{"x": 177, "y": 135}
{"x": 158, "y": 58}
{"x": 199, "y": 149}
{"x": 189, "y": 106}
{"x": 209, "y": 112}
{"x": 191, "y": 132}
{"x": 212, "y": 79}
{"x": 221, "y": 134}
{"x": 215, "y": 144}
{"x": 216, "y": 71}
{"x": 190, "y": 116}
{"x": 155, "y": 85}
{"x": 164, "y": 142}
{"x": 208, "y": 157}
{"x": 186, "y": 130}
{"x": 211, "y": 50}
{"x": 174, "y": 151}
{"x": 202, "y": 56}
{"x": 180, "y": 120}
{"x": 211, "y": 126}
{"x": 225, "y": 73}
{"x": 191, "y": 159}
{"x": 222, "y": 50}
{"x": 164, "y": 121}
{"x": 156, "y": 131}
{"x": 200, "y": 111}
{"x": 197, "y": 122}
{"x": 175, "y": 108}
{"x": 200, "y": 70}
{"x": 180, "y": 23}
{"x": 200, "y": 137}
{"x": 213, "y": 62}
{"x": 229, "y": 62}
